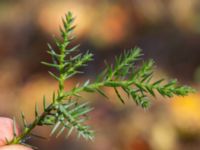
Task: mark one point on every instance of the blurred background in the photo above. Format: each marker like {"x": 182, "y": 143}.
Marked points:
{"x": 167, "y": 30}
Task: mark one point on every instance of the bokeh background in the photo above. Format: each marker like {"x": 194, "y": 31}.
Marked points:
{"x": 167, "y": 30}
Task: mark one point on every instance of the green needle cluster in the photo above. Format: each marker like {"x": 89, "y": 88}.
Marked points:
{"x": 67, "y": 113}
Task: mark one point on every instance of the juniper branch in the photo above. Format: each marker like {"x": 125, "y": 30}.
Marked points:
{"x": 64, "y": 113}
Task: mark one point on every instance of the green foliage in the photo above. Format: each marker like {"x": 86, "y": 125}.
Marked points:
{"x": 67, "y": 114}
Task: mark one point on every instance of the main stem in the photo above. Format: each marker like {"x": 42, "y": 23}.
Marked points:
{"x": 27, "y": 130}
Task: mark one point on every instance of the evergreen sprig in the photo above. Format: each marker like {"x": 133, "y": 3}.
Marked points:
{"x": 66, "y": 112}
